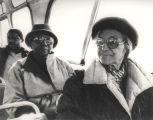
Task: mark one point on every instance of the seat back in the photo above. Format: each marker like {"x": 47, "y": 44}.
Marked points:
{"x": 2, "y": 88}
{"x": 3, "y": 114}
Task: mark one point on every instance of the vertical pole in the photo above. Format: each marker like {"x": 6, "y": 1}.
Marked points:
{"x": 89, "y": 30}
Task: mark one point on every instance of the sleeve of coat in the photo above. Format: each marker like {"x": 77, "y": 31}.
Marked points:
{"x": 143, "y": 106}
{"x": 14, "y": 90}
{"x": 69, "y": 105}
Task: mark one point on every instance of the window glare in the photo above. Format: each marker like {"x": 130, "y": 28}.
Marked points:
{"x": 69, "y": 21}
{"x": 18, "y": 2}
{"x": 4, "y": 30}
{"x": 22, "y": 20}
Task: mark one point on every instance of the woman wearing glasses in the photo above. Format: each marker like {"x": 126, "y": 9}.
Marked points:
{"x": 40, "y": 77}
{"x": 113, "y": 87}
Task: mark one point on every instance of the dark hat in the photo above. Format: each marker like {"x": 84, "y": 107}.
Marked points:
{"x": 40, "y": 29}
{"x": 17, "y": 31}
{"x": 118, "y": 24}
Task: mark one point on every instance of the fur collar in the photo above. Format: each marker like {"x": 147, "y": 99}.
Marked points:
{"x": 137, "y": 82}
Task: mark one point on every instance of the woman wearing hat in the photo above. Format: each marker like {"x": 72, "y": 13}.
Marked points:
{"x": 40, "y": 77}
{"x": 113, "y": 87}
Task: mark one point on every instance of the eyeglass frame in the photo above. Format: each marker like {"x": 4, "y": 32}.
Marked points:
{"x": 38, "y": 38}
{"x": 107, "y": 41}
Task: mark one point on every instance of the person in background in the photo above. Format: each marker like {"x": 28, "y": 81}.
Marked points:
{"x": 40, "y": 77}
{"x": 12, "y": 52}
{"x": 113, "y": 87}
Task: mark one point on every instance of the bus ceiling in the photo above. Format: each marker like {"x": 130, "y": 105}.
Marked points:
{"x": 38, "y": 15}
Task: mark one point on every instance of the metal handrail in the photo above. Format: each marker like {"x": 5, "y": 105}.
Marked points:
{"x": 19, "y": 104}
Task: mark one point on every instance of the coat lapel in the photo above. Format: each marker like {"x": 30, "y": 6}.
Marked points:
{"x": 95, "y": 74}
{"x": 137, "y": 82}
{"x": 57, "y": 71}
{"x": 119, "y": 96}
{"x": 55, "y": 74}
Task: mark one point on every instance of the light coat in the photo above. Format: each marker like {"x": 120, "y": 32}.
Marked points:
{"x": 27, "y": 81}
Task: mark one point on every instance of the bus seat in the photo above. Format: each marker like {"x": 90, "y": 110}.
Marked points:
{"x": 3, "y": 114}
{"x": 2, "y": 88}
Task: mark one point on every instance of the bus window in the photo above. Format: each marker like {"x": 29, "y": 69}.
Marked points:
{"x": 22, "y": 20}
{"x": 4, "y": 30}
{"x": 18, "y": 2}
{"x": 139, "y": 14}
{"x": 69, "y": 20}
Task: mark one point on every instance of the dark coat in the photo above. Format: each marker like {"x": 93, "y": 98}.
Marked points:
{"x": 82, "y": 101}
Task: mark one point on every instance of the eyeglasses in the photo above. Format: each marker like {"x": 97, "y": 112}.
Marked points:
{"x": 112, "y": 42}
{"x": 39, "y": 39}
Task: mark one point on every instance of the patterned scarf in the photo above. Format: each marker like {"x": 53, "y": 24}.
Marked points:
{"x": 117, "y": 74}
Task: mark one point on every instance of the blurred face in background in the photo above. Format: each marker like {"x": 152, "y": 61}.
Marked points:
{"x": 110, "y": 47}
{"x": 14, "y": 40}
{"x": 42, "y": 44}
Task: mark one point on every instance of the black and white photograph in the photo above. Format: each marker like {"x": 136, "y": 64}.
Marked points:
{"x": 76, "y": 60}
